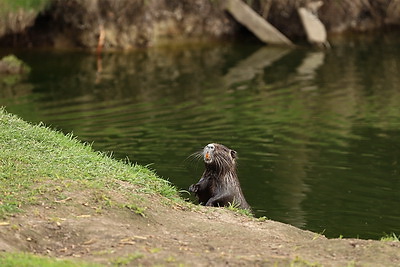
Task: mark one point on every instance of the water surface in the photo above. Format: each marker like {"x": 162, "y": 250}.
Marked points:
{"x": 317, "y": 133}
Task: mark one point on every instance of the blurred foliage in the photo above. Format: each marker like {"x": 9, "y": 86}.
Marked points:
{"x": 11, "y": 64}
{"x": 7, "y": 6}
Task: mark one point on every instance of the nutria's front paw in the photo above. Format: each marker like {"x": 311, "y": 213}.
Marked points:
{"x": 194, "y": 188}
{"x": 209, "y": 203}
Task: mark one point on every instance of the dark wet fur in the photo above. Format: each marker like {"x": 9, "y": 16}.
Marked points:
{"x": 219, "y": 184}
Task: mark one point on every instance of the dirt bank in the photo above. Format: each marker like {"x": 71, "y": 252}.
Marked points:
{"x": 125, "y": 24}
{"x": 173, "y": 235}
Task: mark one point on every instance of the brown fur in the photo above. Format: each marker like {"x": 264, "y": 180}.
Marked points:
{"x": 219, "y": 185}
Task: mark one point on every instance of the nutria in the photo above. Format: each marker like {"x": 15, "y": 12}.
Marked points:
{"x": 219, "y": 185}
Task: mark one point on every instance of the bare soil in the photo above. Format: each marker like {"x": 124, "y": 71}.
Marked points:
{"x": 172, "y": 234}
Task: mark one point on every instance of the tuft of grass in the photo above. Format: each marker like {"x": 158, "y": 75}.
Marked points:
{"x": 297, "y": 262}
{"x": 135, "y": 209}
{"x": 318, "y": 235}
{"x": 30, "y": 260}
{"x": 36, "y": 162}
{"x": 234, "y": 207}
{"x": 391, "y": 237}
{"x": 262, "y": 219}
{"x": 127, "y": 260}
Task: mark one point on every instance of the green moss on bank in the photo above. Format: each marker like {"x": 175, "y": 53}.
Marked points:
{"x": 35, "y": 159}
{"x": 14, "y": 5}
{"x": 12, "y": 65}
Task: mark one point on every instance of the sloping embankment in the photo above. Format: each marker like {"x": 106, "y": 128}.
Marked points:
{"x": 74, "y": 202}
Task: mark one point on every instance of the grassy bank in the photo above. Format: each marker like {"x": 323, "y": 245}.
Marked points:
{"x": 38, "y": 163}
{"x": 42, "y": 167}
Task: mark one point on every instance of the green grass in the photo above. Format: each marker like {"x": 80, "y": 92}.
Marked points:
{"x": 234, "y": 207}
{"x": 299, "y": 262}
{"x": 29, "y": 260}
{"x": 391, "y": 237}
{"x": 126, "y": 260}
{"x": 36, "y": 161}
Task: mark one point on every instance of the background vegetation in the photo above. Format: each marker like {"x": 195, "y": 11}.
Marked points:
{"x": 7, "y": 6}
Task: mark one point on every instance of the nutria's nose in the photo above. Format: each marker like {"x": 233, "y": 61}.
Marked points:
{"x": 210, "y": 146}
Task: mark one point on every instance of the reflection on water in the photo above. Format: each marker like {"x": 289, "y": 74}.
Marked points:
{"x": 317, "y": 132}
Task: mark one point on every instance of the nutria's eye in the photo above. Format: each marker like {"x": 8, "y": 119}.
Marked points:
{"x": 210, "y": 146}
{"x": 233, "y": 154}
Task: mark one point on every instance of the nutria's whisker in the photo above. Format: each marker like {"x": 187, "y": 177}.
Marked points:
{"x": 196, "y": 155}
{"x": 193, "y": 159}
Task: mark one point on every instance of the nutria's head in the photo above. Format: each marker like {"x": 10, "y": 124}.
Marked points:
{"x": 219, "y": 157}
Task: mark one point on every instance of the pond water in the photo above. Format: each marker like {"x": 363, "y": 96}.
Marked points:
{"x": 317, "y": 133}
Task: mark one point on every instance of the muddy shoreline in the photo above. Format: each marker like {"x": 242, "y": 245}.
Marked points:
{"x": 131, "y": 24}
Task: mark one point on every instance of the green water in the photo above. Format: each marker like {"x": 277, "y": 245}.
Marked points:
{"x": 317, "y": 133}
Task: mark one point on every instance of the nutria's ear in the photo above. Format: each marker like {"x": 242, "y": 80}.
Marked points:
{"x": 233, "y": 154}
